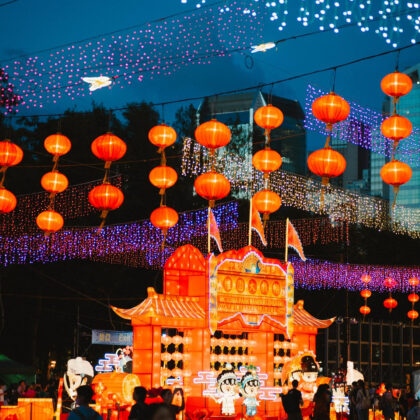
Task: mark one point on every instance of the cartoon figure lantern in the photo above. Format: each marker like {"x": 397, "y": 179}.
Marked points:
{"x": 227, "y": 387}
{"x": 250, "y": 384}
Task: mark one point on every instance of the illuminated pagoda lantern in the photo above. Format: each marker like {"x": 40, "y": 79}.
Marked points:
{"x": 235, "y": 308}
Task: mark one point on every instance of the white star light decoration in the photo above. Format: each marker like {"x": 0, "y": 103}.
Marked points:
{"x": 98, "y": 82}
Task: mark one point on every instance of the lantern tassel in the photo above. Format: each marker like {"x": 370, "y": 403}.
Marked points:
{"x": 396, "y": 189}
{"x": 266, "y": 216}
{"x": 267, "y": 137}
{"x": 3, "y": 169}
{"x": 103, "y": 216}
{"x": 164, "y": 232}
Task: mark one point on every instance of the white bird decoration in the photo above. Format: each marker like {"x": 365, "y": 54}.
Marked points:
{"x": 262, "y": 47}
{"x": 97, "y": 82}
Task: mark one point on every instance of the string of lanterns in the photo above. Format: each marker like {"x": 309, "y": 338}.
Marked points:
{"x": 163, "y": 177}
{"x": 366, "y": 294}
{"x": 396, "y": 128}
{"x": 390, "y": 303}
{"x": 413, "y": 297}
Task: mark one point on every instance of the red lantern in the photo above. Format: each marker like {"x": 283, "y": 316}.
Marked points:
{"x": 54, "y": 182}
{"x": 10, "y": 153}
{"x": 365, "y": 310}
{"x": 390, "y": 283}
{"x": 268, "y": 117}
{"x": 330, "y": 108}
{"x": 7, "y": 201}
{"x": 213, "y": 134}
{"x": 50, "y": 221}
{"x": 414, "y": 281}
{"x": 267, "y": 161}
{"x": 57, "y": 144}
{"x": 163, "y": 177}
{"x": 266, "y": 202}
{"x": 366, "y": 293}
{"x": 164, "y": 218}
{"x": 396, "y": 127}
{"x": 106, "y": 197}
{"x": 326, "y": 163}
{"x": 366, "y": 278}
{"x": 396, "y": 84}
{"x": 109, "y": 148}
{"x": 212, "y": 186}
{"x": 413, "y": 314}
{"x": 390, "y": 303}
{"x": 162, "y": 136}
{"x": 396, "y": 173}
{"x": 413, "y": 297}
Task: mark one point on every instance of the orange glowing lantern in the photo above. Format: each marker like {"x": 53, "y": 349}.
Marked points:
{"x": 163, "y": 177}
{"x": 57, "y": 144}
{"x": 364, "y": 310}
{"x": 7, "y": 201}
{"x": 50, "y": 221}
{"x": 326, "y": 163}
{"x": 106, "y": 197}
{"x": 213, "y": 134}
{"x": 54, "y": 182}
{"x": 396, "y": 84}
{"x": 366, "y": 293}
{"x": 390, "y": 283}
{"x": 390, "y": 303}
{"x": 162, "y": 136}
{"x": 268, "y": 117}
{"x": 330, "y": 109}
{"x": 10, "y": 154}
{"x": 396, "y": 127}
{"x": 266, "y": 202}
{"x": 414, "y": 281}
{"x": 396, "y": 173}
{"x": 212, "y": 186}
{"x": 366, "y": 278}
{"x": 164, "y": 218}
{"x": 108, "y": 148}
{"x": 266, "y": 161}
{"x": 413, "y": 297}
{"x": 413, "y": 314}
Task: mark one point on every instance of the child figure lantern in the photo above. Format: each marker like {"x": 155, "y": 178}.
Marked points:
{"x": 227, "y": 388}
{"x": 250, "y": 385}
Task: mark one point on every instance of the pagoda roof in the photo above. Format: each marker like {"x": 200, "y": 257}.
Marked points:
{"x": 304, "y": 318}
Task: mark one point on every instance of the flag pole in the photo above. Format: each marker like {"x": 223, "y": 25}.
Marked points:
{"x": 208, "y": 230}
{"x": 250, "y": 223}
{"x": 287, "y": 241}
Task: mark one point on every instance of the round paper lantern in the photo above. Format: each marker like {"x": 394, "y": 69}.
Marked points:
{"x": 109, "y": 148}
{"x": 10, "y": 153}
{"x": 106, "y": 197}
{"x": 268, "y": 117}
{"x": 390, "y": 303}
{"x": 266, "y": 161}
{"x": 54, "y": 182}
{"x": 326, "y": 163}
{"x": 50, "y": 221}
{"x": 162, "y": 136}
{"x": 57, "y": 144}
{"x": 390, "y": 283}
{"x": 212, "y": 186}
{"x": 413, "y": 297}
{"x": 413, "y": 314}
{"x": 396, "y": 173}
{"x": 414, "y": 281}
{"x": 7, "y": 201}
{"x": 330, "y": 108}
{"x": 163, "y": 177}
{"x": 366, "y": 278}
{"x": 366, "y": 293}
{"x": 365, "y": 310}
{"x": 396, "y": 84}
{"x": 164, "y": 218}
{"x": 213, "y": 134}
{"x": 396, "y": 127}
{"x": 266, "y": 201}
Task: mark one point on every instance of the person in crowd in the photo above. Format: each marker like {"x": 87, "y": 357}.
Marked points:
{"x": 159, "y": 411}
{"x": 363, "y": 402}
{"x": 2, "y": 393}
{"x": 414, "y": 412}
{"x": 352, "y": 400}
{"x": 403, "y": 404}
{"x": 138, "y": 411}
{"x": 168, "y": 397}
{"x": 21, "y": 389}
{"x": 12, "y": 395}
{"x": 82, "y": 410}
{"x": 292, "y": 402}
{"x": 387, "y": 403}
{"x": 322, "y": 402}
{"x": 30, "y": 392}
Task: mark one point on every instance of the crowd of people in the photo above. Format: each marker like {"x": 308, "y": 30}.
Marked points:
{"x": 9, "y": 395}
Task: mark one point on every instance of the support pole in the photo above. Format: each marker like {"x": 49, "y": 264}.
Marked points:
{"x": 250, "y": 223}
{"x": 286, "y": 250}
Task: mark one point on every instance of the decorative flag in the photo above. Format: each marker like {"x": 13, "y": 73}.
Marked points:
{"x": 214, "y": 230}
{"x": 293, "y": 240}
{"x": 256, "y": 224}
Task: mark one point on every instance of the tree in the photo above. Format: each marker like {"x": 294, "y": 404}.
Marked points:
{"x": 186, "y": 121}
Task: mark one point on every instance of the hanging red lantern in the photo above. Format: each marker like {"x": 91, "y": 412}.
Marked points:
{"x": 108, "y": 148}
{"x": 266, "y": 202}
{"x": 162, "y": 136}
{"x": 57, "y": 144}
{"x": 366, "y": 293}
{"x": 10, "y": 154}
{"x": 396, "y": 127}
{"x": 7, "y": 201}
{"x": 106, "y": 197}
{"x": 396, "y": 84}
{"x": 50, "y": 221}
{"x": 396, "y": 173}
{"x": 326, "y": 163}
{"x": 268, "y": 117}
{"x": 390, "y": 303}
{"x": 164, "y": 218}
{"x": 413, "y": 297}
{"x": 212, "y": 186}
{"x": 54, "y": 182}
{"x": 365, "y": 310}
{"x": 390, "y": 283}
{"x": 413, "y": 314}
{"x": 267, "y": 161}
{"x": 213, "y": 134}
{"x": 414, "y": 281}
{"x": 330, "y": 108}
{"x": 366, "y": 278}
{"x": 163, "y": 177}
